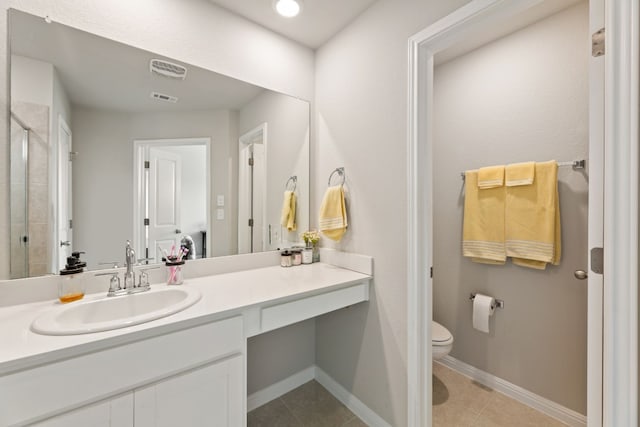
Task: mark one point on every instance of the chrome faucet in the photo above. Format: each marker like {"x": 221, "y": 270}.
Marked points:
{"x": 129, "y": 261}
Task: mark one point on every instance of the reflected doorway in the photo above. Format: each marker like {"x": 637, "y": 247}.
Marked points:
{"x": 172, "y": 202}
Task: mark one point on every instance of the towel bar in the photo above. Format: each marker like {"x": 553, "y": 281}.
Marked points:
{"x": 341, "y": 174}
{"x": 499, "y": 302}
{"x": 294, "y": 180}
{"x": 575, "y": 165}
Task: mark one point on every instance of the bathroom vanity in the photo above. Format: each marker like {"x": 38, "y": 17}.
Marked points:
{"x": 185, "y": 369}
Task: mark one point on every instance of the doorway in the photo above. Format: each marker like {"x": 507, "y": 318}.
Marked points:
{"x": 423, "y": 47}
{"x": 172, "y": 196}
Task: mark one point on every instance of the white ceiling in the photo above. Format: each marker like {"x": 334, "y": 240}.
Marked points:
{"x": 101, "y": 73}
{"x": 318, "y": 22}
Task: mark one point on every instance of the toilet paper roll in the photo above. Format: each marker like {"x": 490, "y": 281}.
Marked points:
{"x": 483, "y": 308}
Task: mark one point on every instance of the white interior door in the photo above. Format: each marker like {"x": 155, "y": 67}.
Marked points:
{"x": 65, "y": 197}
{"x": 165, "y": 172}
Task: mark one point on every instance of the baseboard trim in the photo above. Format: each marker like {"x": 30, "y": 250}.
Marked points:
{"x": 354, "y": 404}
{"x": 276, "y": 390}
{"x": 546, "y": 406}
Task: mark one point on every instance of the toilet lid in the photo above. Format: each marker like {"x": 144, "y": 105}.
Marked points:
{"x": 440, "y": 334}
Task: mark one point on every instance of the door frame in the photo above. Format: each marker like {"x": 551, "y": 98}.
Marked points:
{"x": 60, "y": 157}
{"x": 619, "y": 303}
{"x": 139, "y": 146}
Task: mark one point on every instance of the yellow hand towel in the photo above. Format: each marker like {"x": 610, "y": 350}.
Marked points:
{"x": 491, "y": 177}
{"x": 532, "y": 220}
{"x": 333, "y": 213}
{"x": 520, "y": 174}
{"x": 288, "y": 216}
{"x": 483, "y": 225}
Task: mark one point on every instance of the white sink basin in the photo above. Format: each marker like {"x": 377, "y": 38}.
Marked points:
{"x": 114, "y": 312}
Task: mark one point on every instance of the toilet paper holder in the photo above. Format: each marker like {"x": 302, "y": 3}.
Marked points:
{"x": 499, "y": 302}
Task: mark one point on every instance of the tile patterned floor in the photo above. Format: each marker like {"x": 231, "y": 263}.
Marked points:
{"x": 460, "y": 402}
{"x": 309, "y": 405}
{"x": 457, "y": 402}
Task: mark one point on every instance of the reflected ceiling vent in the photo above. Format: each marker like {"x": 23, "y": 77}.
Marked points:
{"x": 164, "y": 97}
{"x": 167, "y": 69}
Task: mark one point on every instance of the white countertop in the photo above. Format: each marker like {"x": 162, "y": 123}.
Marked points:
{"x": 223, "y": 295}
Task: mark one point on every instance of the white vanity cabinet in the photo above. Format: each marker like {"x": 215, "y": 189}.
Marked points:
{"x": 208, "y": 396}
{"x": 184, "y": 370}
{"x": 115, "y": 412}
{"x": 193, "y": 377}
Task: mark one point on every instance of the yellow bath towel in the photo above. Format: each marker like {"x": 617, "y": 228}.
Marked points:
{"x": 519, "y": 174}
{"x": 532, "y": 219}
{"x": 483, "y": 225}
{"x": 333, "y": 213}
{"x": 288, "y": 216}
{"x": 491, "y": 177}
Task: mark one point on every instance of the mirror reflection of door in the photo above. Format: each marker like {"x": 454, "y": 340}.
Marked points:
{"x": 172, "y": 190}
{"x": 65, "y": 199}
{"x": 165, "y": 199}
{"x": 254, "y": 234}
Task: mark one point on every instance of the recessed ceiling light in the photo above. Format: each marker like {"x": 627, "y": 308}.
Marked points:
{"x": 288, "y": 8}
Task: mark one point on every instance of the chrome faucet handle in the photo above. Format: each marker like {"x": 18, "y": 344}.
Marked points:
{"x": 114, "y": 284}
{"x": 143, "y": 280}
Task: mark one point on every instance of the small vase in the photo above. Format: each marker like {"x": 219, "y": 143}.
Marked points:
{"x": 316, "y": 253}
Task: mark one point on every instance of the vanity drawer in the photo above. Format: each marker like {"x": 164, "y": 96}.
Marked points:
{"x": 36, "y": 393}
{"x": 277, "y": 316}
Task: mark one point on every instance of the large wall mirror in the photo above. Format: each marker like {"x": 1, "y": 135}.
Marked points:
{"x": 111, "y": 143}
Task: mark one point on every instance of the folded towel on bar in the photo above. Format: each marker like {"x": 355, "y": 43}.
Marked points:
{"x": 288, "y": 216}
{"x": 491, "y": 177}
{"x": 483, "y": 224}
{"x": 532, "y": 220}
{"x": 333, "y": 213}
{"x": 519, "y": 174}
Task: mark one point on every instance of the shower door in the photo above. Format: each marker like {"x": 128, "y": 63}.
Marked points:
{"x": 19, "y": 235}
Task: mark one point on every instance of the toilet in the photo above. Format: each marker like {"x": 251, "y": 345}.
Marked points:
{"x": 441, "y": 340}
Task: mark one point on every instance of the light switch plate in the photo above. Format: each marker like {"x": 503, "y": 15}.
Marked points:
{"x": 219, "y": 213}
{"x": 220, "y": 201}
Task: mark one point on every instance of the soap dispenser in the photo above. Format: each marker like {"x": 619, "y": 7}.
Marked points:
{"x": 71, "y": 285}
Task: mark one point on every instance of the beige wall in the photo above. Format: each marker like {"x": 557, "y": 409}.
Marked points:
{"x": 520, "y": 98}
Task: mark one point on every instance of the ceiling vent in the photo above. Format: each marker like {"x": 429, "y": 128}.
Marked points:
{"x": 164, "y": 97}
{"x": 167, "y": 69}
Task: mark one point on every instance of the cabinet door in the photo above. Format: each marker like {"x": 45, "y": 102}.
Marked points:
{"x": 206, "y": 396}
{"x": 116, "y": 412}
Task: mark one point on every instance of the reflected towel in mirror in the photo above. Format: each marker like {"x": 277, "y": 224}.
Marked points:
{"x": 288, "y": 216}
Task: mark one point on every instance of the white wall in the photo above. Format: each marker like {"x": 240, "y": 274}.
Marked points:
{"x": 361, "y": 120}
{"x": 523, "y": 97}
{"x": 32, "y": 80}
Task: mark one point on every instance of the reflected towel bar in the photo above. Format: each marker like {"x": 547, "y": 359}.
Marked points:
{"x": 292, "y": 179}
{"x": 575, "y": 165}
